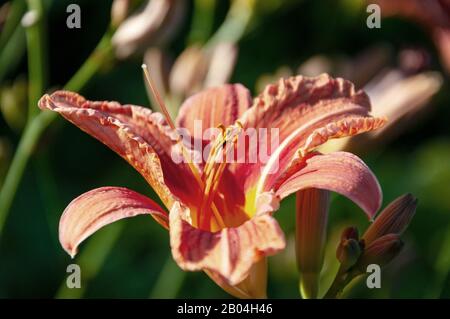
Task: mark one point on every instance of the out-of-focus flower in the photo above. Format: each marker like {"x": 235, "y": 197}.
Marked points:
{"x": 220, "y": 213}
{"x": 397, "y": 93}
{"x": 434, "y": 15}
{"x": 13, "y": 104}
{"x": 360, "y": 68}
{"x": 119, "y": 11}
{"x": 196, "y": 68}
{"x": 222, "y": 60}
{"x": 442, "y": 39}
{"x": 413, "y": 60}
{"x": 154, "y": 24}
{"x": 400, "y": 99}
{"x": 188, "y": 72}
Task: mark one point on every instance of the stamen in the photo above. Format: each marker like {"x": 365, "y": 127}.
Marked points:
{"x": 215, "y": 167}
{"x": 158, "y": 98}
{"x": 184, "y": 151}
{"x": 163, "y": 108}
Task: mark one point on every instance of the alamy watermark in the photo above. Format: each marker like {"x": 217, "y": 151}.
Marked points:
{"x": 74, "y": 278}
{"x": 374, "y": 19}
{"x": 374, "y": 279}
{"x": 73, "y": 20}
{"x": 239, "y": 145}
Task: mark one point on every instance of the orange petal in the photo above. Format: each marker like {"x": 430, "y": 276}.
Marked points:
{"x": 299, "y": 100}
{"x": 100, "y": 207}
{"x": 343, "y": 128}
{"x": 219, "y": 105}
{"x": 307, "y": 111}
{"x": 340, "y": 172}
{"x": 230, "y": 253}
{"x": 138, "y": 135}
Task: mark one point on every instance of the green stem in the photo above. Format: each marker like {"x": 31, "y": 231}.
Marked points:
{"x": 12, "y": 53}
{"x": 235, "y": 24}
{"x": 202, "y": 21}
{"x": 342, "y": 279}
{"x": 49, "y": 192}
{"x": 15, "y": 13}
{"x": 37, "y": 56}
{"x": 442, "y": 266}
{"x": 28, "y": 141}
{"x": 36, "y": 127}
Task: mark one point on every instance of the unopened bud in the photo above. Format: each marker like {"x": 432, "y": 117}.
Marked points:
{"x": 349, "y": 248}
{"x": 394, "y": 219}
{"x": 381, "y": 251}
{"x": 350, "y": 233}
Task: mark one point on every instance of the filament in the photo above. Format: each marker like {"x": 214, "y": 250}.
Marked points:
{"x": 158, "y": 98}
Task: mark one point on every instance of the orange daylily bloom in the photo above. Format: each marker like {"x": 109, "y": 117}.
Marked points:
{"x": 219, "y": 215}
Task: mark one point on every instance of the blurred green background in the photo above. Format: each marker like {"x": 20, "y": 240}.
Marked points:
{"x": 131, "y": 259}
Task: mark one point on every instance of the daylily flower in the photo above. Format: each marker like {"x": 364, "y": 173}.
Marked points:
{"x": 219, "y": 214}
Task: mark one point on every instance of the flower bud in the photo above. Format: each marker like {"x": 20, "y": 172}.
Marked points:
{"x": 381, "y": 251}
{"x": 350, "y": 233}
{"x": 394, "y": 219}
{"x": 349, "y": 249}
